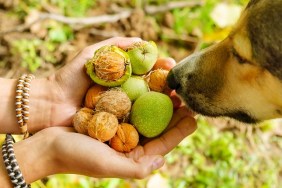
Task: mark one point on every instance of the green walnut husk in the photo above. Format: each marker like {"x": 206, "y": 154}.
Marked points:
{"x": 151, "y": 113}
{"x": 110, "y": 66}
{"x": 134, "y": 87}
{"x": 143, "y": 55}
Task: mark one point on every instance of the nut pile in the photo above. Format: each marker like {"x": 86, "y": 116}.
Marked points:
{"x": 129, "y": 96}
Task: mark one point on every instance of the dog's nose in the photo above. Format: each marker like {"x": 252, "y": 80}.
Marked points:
{"x": 171, "y": 81}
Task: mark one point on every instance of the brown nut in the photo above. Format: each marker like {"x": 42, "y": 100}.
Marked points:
{"x": 110, "y": 66}
{"x": 125, "y": 139}
{"x": 93, "y": 94}
{"x": 109, "y": 63}
{"x": 103, "y": 126}
{"x": 157, "y": 80}
{"x": 115, "y": 102}
{"x": 81, "y": 119}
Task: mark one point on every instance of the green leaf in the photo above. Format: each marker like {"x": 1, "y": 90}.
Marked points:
{"x": 57, "y": 35}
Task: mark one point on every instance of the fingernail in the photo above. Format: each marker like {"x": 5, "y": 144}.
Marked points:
{"x": 158, "y": 163}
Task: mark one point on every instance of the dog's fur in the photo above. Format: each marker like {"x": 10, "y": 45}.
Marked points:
{"x": 240, "y": 77}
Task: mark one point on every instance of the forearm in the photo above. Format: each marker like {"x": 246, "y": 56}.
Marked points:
{"x": 34, "y": 160}
{"x": 41, "y": 101}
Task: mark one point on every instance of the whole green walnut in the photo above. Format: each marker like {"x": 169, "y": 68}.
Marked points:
{"x": 143, "y": 55}
{"x": 151, "y": 113}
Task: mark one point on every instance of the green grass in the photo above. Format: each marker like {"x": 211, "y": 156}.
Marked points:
{"x": 210, "y": 158}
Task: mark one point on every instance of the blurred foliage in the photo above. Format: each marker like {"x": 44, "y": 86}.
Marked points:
{"x": 212, "y": 157}
{"x": 195, "y": 21}
{"x": 28, "y": 50}
{"x": 73, "y": 8}
{"x": 225, "y": 159}
{"x": 66, "y": 7}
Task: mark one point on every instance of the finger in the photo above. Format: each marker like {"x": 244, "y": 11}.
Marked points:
{"x": 166, "y": 63}
{"x": 88, "y": 52}
{"x": 168, "y": 59}
{"x": 166, "y": 142}
{"x": 65, "y": 129}
{"x": 128, "y": 168}
{"x": 178, "y": 115}
{"x": 127, "y": 42}
{"x": 90, "y": 157}
{"x": 55, "y": 130}
{"x": 136, "y": 153}
{"x": 121, "y": 42}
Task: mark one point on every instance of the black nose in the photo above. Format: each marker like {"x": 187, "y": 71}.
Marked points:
{"x": 171, "y": 81}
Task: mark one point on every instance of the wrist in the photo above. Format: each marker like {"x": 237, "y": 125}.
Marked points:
{"x": 48, "y": 105}
{"x": 35, "y": 157}
{"x": 34, "y": 161}
{"x": 4, "y": 178}
{"x": 41, "y": 102}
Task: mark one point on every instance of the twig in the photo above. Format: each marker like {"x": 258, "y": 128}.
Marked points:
{"x": 170, "y": 6}
{"x": 71, "y": 20}
{"x": 88, "y": 20}
{"x": 125, "y": 13}
{"x": 20, "y": 28}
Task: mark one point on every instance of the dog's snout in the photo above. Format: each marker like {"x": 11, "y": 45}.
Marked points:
{"x": 171, "y": 81}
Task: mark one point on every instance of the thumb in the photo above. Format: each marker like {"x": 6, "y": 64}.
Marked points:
{"x": 144, "y": 166}
{"x": 149, "y": 164}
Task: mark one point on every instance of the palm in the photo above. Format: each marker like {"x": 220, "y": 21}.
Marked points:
{"x": 99, "y": 160}
{"x": 71, "y": 82}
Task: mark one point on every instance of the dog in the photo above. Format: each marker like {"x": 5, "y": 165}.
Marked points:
{"x": 241, "y": 76}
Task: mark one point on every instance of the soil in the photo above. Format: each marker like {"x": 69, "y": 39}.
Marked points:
{"x": 139, "y": 24}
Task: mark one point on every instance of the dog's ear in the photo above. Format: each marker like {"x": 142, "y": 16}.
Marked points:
{"x": 264, "y": 28}
{"x": 252, "y": 3}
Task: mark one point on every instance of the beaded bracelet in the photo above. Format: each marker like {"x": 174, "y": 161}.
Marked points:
{"x": 22, "y": 101}
{"x": 11, "y": 164}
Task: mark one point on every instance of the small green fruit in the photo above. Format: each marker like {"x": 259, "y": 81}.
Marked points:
{"x": 110, "y": 66}
{"x": 143, "y": 55}
{"x": 134, "y": 87}
{"x": 151, "y": 113}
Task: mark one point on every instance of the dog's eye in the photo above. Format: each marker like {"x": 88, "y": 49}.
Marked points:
{"x": 239, "y": 58}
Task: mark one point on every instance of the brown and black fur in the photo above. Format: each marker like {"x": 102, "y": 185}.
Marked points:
{"x": 240, "y": 77}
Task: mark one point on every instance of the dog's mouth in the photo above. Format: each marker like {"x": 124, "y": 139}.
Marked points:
{"x": 202, "y": 106}
{"x": 242, "y": 116}
{"x": 203, "y": 102}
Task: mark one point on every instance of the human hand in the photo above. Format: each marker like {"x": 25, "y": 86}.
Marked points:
{"x": 71, "y": 82}
{"x": 55, "y": 99}
{"x": 66, "y": 151}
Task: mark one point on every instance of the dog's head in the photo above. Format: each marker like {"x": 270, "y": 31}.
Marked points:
{"x": 239, "y": 77}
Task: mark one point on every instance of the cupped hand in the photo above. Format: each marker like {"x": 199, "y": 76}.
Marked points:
{"x": 97, "y": 159}
{"x": 66, "y": 151}
{"x": 71, "y": 82}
